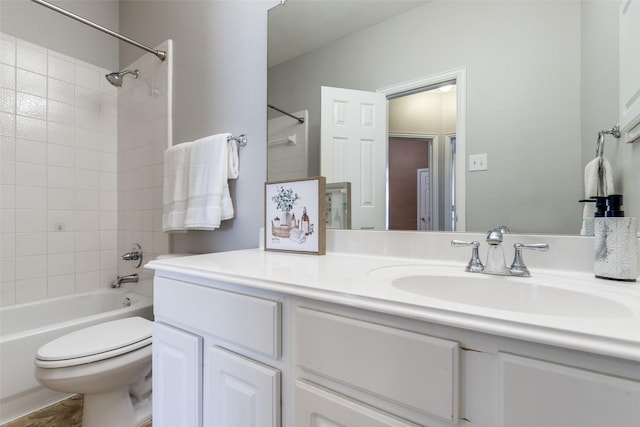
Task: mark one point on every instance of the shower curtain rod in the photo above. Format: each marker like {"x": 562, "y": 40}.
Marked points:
{"x": 159, "y": 53}
{"x": 299, "y": 119}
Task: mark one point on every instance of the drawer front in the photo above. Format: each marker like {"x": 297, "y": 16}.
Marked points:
{"x": 251, "y": 322}
{"x": 536, "y": 393}
{"x": 407, "y": 368}
{"x": 315, "y": 407}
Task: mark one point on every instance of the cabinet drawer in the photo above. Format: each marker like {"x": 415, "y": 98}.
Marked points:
{"x": 315, "y": 407}
{"x": 251, "y": 322}
{"x": 535, "y": 393}
{"x": 407, "y": 368}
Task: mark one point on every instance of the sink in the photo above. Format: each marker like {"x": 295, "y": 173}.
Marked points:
{"x": 516, "y": 294}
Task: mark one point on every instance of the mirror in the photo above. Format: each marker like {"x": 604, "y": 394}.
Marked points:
{"x": 541, "y": 80}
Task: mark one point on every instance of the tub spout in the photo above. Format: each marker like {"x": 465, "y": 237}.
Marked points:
{"x": 131, "y": 278}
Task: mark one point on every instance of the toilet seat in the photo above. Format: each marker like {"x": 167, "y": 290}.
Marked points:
{"x": 96, "y": 343}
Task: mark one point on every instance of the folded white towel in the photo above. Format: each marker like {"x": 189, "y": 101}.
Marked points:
{"x": 598, "y": 181}
{"x": 174, "y": 193}
{"x": 209, "y": 201}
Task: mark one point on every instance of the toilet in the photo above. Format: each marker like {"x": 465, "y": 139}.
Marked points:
{"x": 110, "y": 363}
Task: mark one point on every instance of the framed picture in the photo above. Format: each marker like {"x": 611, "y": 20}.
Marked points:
{"x": 294, "y": 215}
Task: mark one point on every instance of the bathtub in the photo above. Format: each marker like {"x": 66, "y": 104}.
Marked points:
{"x": 26, "y": 327}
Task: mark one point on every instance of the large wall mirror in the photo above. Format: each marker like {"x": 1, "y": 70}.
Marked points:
{"x": 539, "y": 80}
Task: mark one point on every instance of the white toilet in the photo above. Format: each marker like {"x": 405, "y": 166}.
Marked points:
{"x": 110, "y": 363}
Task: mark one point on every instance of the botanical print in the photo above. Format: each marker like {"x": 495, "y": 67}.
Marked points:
{"x": 291, "y": 213}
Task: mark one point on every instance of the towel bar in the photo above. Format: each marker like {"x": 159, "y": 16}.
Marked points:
{"x": 241, "y": 139}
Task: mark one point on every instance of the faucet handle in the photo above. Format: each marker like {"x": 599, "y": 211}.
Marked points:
{"x": 474, "y": 265}
{"x": 517, "y": 266}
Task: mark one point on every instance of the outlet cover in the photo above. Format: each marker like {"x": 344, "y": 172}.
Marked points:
{"x": 478, "y": 162}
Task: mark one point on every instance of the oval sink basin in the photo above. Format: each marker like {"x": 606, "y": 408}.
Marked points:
{"x": 512, "y": 294}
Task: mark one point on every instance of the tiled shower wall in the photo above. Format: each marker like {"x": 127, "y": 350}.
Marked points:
{"x": 58, "y": 126}
{"x": 143, "y": 136}
{"x": 81, "y": 171}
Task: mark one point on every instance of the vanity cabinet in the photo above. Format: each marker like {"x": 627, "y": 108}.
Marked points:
{"x": 216, "y": 357}
{"x": 232, "y": 356}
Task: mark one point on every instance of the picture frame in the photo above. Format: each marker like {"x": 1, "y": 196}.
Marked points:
{"x": 294, "y": 216}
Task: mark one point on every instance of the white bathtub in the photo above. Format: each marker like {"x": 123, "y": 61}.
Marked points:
{"x": 26, "y": 327}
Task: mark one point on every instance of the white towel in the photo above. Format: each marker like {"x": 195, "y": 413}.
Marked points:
{"x": 598, "y": 181}
{"x": 174, "y": 193}
{"x": 208, "y": 200}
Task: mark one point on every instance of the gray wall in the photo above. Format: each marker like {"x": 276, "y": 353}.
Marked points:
{"x": 523, "y": 65}
{"x": 219, "y": 85}
{"x": 40, "y": 25}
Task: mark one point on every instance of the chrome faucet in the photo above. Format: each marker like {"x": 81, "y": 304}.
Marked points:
{"x": 131, "y": 278}
{"x": 495, "y": 255}
{"x": 134, "y": 255}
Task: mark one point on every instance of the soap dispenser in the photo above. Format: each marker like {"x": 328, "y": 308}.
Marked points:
{"x": 616, "y": 243}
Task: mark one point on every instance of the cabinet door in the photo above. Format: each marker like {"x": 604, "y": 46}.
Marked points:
{"x": 177, "y": 357}
{"x": 534, "y": 393}
{"x": 239, "y": 391}
{"x": 315, "y": 407}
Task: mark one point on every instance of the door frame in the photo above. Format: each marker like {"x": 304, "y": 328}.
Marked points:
{"x": 459, "y": 75}
{"x": 419, "y": 197}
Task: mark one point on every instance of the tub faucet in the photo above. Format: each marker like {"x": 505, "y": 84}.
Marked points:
{"x": 131, "y": 278}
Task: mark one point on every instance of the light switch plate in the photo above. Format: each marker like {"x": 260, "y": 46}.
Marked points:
{"x": 478, "y": 162}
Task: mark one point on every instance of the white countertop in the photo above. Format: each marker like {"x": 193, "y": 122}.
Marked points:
{"x": 345, "y": 279}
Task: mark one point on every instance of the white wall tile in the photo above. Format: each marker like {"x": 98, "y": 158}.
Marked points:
{"x": 87, "y": 220}
{"x": 31, "y": 174}
{"x": 60, "y": 112}
{"x": 7, "y": 293}
{"x": 8, "y": 49}
{"x": 60, "y": 155}
{"x": 87, "y": 241}
{"x": 87, "y": 76}
{"x": 87, "y": 179}
{"x": 7, "y": 124}
{"x": 29, "y": 267}
{"x": 87, "y": 119}
{"x": 60, "y": 134}
{"x": 7, "y": 100}
{"x": 8, "y": 266}
{"x": 87, "y": 261}
{"x": 8, "y": 221}
{"x": 58, "y": 286}
{"x": 88, "y": 139}
{"x": 31, "y": 197}
{"x": 30, "y": 151}
{"x": 87, "y": 159}
{"x": 61, "y": 199}
{"x": 87, "y": 98}
{"x": 30, "y": 221}
{"x": 7, "y": 76}
{"x": 30, "y": 58}
{"x": 32, "y": 106}
{"x": 29, "y": 290}
{"x": 8, "y": 172}
{"x": 7, "y": 245}
{"x": 61, "y": 68}
{"x": 62, "y": 263}
{"x": 8, "y": 196}
{"x": 60, "y": 177}
{"x": 31, "y": 244}
{"x": 60, "y": 242}
{"x": 63, "y": 217}
{"x": 88, "y": 281}
{"x": 87, "y": 200}
{"x": 31, "y": 83}
{"x": 61, "y": 91}
{"x": 31, "y": 128}
{"x": 7, "y": 148}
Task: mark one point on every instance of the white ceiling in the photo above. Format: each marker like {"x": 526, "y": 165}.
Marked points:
{"x": 300, "y": 26}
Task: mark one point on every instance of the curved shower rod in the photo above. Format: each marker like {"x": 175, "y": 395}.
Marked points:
{"x": 159, "y": 53}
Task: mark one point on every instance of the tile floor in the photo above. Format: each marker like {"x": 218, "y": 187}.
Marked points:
{"x": 67, "y": 413}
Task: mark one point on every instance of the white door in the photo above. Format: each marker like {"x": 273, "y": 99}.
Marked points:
{"x": 353, "y": 149}
{"x": 177, "y": 361}
{"x": 239, "y": 391}
{"x": 424, "y": 199}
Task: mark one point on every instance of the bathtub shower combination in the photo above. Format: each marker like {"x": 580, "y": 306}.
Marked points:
{"x": 24, "y": 328}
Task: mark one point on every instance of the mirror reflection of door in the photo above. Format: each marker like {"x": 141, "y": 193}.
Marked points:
{"x": 409, "y": 183}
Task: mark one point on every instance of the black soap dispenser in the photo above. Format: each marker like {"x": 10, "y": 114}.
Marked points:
{"x": 616, "y": 241}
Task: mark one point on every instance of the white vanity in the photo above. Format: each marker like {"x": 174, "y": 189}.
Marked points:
{"x": 255, "y": 338}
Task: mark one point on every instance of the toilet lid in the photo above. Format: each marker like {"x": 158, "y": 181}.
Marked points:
{"x": 103, "y": 338}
